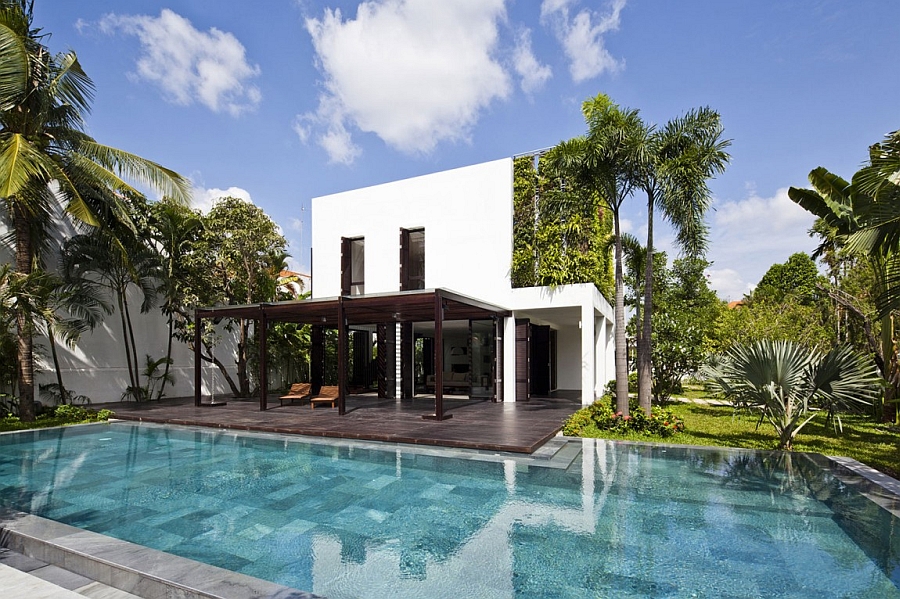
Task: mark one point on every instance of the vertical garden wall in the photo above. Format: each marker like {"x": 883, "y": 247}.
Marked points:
{"x": 561, "y": 234}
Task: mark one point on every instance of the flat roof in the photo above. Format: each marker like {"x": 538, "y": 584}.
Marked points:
{"x": 402, "y": 306}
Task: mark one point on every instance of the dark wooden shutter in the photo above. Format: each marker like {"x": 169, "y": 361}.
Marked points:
{"x": 497, "y": 367}
{"x": 554, "y": 385}
{"x": 406, "y": 360}
{"x": 523, "y": 361}
{"x": 404, "y": 259}
{"x": 345, "y": 266}
{"x": 387, "y": 360}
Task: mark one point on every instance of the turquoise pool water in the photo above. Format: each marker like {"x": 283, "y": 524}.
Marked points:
{"x": 349, "y": 521}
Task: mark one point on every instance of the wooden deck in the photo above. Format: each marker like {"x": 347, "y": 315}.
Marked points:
{"x": 519, "y": 427}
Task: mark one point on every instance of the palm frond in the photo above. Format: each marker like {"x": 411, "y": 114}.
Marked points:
{"x": 132, "y": 166}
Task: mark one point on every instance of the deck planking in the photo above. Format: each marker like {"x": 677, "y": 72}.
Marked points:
{"x": 519, "y": 427}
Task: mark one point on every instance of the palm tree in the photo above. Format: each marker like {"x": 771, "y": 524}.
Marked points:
{"x": 604, "y": 163}
{"x": 95, "y": 260}
{"x": 45, "y": 157}
{"x": 676, "y": 162}
{"x": 76, "y": 308}
{"x": 174, "y": 227}
{"x": 783, "y": 381}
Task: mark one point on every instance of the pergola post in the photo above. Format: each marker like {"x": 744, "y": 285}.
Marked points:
{"x": 263, "y": 361}
{"x": 438, "y": 360}
{"x": 342, "y": 357}
{"x": 198, "y": 381}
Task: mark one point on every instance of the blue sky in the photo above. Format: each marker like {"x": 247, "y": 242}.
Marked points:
{"x": 285, "y": 100}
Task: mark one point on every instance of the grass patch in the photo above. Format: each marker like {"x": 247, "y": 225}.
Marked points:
{"x": 863, "y": 439}
{"x": 61, "y": 416}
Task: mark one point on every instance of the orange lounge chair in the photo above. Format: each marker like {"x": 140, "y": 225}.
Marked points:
{"x": 298, "y": 392}
{"x": 327, "y": 394}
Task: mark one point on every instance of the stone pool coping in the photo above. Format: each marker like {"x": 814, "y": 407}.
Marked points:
{"x": 154, "y": 574}
{"x": 133, "y": 568}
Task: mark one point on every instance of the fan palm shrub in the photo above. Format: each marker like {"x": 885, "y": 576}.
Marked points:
{"x": 789, "y": 384}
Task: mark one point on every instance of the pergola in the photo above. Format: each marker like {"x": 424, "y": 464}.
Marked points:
{"x": 425, "y": 305}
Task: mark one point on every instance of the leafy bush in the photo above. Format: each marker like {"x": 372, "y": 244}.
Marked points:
{"x": 601, "y": 416}
{"x": 610, "y": 388}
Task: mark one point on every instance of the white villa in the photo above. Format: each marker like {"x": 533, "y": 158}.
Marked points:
{"x": 449, "y": 234}
{"x": 418, "y": 272}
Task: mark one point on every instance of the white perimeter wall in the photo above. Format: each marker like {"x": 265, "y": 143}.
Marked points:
{"x": 97, "y": 368}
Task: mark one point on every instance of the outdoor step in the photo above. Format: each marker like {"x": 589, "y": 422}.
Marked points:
{"x": 135, "y": 569}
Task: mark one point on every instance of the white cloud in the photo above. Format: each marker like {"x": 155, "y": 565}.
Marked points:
{"x": 750, "y": 235}
{"x": 728, "y": 283}
{"x": 534, "y": 74}
{"x": 414, "y": 72}
{"x": 205, "y": 198}
{"x": 190, "y": 65}
{"x": 581, "y": 36}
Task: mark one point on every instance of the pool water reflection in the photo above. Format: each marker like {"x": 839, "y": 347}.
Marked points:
{"x": 351, "y": 520}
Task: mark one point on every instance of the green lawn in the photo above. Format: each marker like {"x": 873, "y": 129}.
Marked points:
{"x": 872, "y": 443}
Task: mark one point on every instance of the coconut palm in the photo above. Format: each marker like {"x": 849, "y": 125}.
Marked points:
{"x": 676, "y": 163}
{"x": 788, "y": 384}
{"x": 603, "y": 162}
{"x": 46, "y": 158}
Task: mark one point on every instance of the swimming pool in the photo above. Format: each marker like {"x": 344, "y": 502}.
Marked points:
{"x": 352, "y": 520}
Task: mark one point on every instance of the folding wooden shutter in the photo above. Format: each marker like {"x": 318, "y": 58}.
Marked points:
{"x": 345, "y": 266}
{"x": 523, "y": 361}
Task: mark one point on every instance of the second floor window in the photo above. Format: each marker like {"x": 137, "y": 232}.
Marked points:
{"x": 412, "y": 259}
{"x": 353, "y": 266}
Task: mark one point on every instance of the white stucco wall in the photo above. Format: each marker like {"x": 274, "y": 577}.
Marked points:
{"x": 467, "y": 216}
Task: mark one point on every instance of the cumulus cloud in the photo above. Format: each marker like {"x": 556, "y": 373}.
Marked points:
{"x": 413, "y": 72}
{"x": 750, "y": 235}
{"x": 190, "y": 65}
{"x": 205, "y": 198}
{"x": 728, "y": 283}
{"x": 581, "y": 36}
{"x": 532, "y": 73}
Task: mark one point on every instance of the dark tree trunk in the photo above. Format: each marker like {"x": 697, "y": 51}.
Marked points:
{"x": 645, "y": 341}
{"x": 24, "y": 342}
{"x": 621, "y": 352}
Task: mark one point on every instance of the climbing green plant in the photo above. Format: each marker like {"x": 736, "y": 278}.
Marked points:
{"x": 560, "y": 234}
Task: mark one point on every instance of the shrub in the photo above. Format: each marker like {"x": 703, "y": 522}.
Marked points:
{"x": 602, "y": 415}
{"x": 69, "y": 413}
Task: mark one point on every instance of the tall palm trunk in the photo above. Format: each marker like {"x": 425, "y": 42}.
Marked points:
{"x": 165, "y": 378}
{"x": 63, "y": 395}
{"x": 131, "y": 372}
{"x": 25, "y": 342}
{"x": 621, "y": 353}
{"x": 645, "y": 341}
{"x": 136, "y": 381}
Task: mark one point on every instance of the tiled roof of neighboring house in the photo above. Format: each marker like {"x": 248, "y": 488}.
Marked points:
{"x": 735, "y": 304}
{"x": 292, "y": 282}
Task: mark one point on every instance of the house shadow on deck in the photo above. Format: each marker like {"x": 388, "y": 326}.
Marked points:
{"x": 519, "y": 427}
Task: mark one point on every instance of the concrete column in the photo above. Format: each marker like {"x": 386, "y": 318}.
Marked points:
{"x": 509, "y": 358}
{"x": 588, "y": 361}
